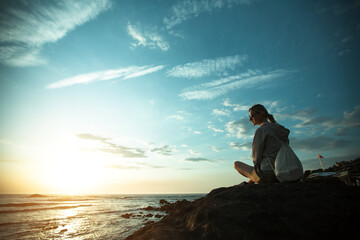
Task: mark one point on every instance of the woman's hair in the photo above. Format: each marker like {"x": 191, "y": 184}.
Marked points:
{"x": 261, "y": 109}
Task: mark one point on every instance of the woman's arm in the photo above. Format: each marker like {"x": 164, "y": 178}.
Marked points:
{"x": 258, "y": 146}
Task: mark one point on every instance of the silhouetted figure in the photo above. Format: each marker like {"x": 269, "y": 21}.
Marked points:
{"x": 264, "y": 144}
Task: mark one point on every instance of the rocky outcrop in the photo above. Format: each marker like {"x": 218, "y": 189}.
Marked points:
{"x": 36, "y": 196}
{"x": 301, "y": 210}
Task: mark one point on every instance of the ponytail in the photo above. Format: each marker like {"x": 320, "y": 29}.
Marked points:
{"x": 271, "y": 118}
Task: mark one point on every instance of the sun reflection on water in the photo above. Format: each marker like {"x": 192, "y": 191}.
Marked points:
{"x": 70, "y": 222}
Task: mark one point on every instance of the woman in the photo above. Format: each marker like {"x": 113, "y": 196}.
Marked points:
{"x": 264, "y": 147}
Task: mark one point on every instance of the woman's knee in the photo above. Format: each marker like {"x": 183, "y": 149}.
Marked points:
{"x": 236, "y": 164}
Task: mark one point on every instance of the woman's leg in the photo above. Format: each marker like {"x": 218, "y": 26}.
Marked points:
{"x": 247, "y": 171}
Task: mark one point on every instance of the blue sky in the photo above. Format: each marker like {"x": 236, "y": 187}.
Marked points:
{"x": 153, "y": 96}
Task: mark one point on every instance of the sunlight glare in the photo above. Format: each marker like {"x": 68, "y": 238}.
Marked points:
{"x": 71, "y": 170}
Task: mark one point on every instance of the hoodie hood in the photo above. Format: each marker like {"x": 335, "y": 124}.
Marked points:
{"x": 279, "y": 130}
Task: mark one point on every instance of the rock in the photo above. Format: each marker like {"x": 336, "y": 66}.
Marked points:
{"x": 163, "y": 201}
{"x": 168, "y": 207}
{"x": 149, "y": 215}
{"x": 174, "y": 206}
{"x": 36, "y": 196}
{"x": 300, "y": 210}
{"x": 127, "y": 215}
{"x": 159, "y": 216}
{"x": 346, "y": 171}
{"x": 149, "y": 208}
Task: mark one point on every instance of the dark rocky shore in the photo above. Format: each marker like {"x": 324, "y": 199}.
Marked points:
{"x": 314, "y": 208}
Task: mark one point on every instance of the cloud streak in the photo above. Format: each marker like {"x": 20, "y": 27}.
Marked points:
{"x": 320, "y": 143}
{"x": 348, "y": 124}
{"x": 121, "y": 73}
{"x": 184, "y": 10}
{"x": 250, "y": 79}
{"x": 145, "y": 38}
{"x": 245, "y": 146}
{"x": 163, "y": 150}
{"x": 236, "y": 107}
{"x": 27, "y": 26}
{"x": 240, "y": 129}
{"x": 207, "y": 67}
{"x": 198, "y": 160}
{"x": 109, "y": 147}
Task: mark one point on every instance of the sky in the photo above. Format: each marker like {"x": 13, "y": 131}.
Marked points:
{"x": 139, "y": 96}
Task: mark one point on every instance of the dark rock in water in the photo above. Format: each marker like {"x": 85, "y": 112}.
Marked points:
{"x": 36, "y": 196}
{"x": 126, "y": 215}
{"x": 163, "y": 201}
{"x": 174, "y": 206}
{"x": 149, "y": 208}
{"x": 149, "y": 215}
{"x": 301, "y": 210}
{"x": 159, "y": 216}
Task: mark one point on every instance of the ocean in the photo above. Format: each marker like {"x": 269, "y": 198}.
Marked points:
{"x": 79, "y": 217}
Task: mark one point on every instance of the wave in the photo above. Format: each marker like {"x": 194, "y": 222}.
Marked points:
{"x": 69, "y": 199}
{"x": 42, "y": 209}
{"x": 25, "y": 204}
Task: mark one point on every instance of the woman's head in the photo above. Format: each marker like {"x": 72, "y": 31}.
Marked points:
{"x": 259, "y": 114}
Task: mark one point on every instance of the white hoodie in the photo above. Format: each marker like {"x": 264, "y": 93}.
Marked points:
{"x": 265, "y": 144}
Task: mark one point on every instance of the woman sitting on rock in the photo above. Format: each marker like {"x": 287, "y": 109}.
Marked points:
{"x": 264, "y": 146}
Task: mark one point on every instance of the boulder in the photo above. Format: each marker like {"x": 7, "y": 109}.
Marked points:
{"x": 307, "y": 209}
{"x": 127, "y": 215}
{"x": 163, "y": 201}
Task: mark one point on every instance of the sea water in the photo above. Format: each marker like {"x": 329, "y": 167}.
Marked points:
{"x": 79, "y": 217}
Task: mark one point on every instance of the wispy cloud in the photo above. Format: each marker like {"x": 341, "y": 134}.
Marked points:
{"x": 198, "y": 160}
{"x": 27, "y": 26}
{"x": 320, "y": 143}
{"x": 21, "y": 56}
{"x": 221, "y": 112}
{"x": 126, "y": 152}
{"x": 178, "y": 117}
{"x": 243, "y": 146}
{"x": 88, "y": 136}
{"x": 207, "y": 67}
{"x": 220, "y": 87}
{"x": 121, "y": 73}
{"x": 107, "y": 145}
{"x": 215, "y": 129}
{"x": 181, "y": 115}
{"x": 110, "y": 147}
{"x": 240, "y": 129}
{"x": 146, "y": 38}
{"x": 184, "y": 10}
{"x": 194, "y": 131}
{"x": 236, "y": 107}
{"x": 215, "y": 149}
{"x": 164, "y": 150}
{"x": 139, "y": 166}
{"x": 349, "y": 123}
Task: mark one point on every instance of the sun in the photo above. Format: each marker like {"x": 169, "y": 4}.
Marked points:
{"x": 71, "y": 170}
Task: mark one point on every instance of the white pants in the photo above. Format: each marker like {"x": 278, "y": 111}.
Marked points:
{"x": 247, "y": 171}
